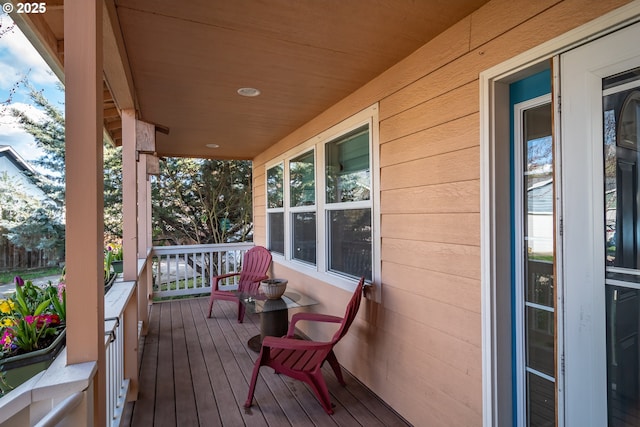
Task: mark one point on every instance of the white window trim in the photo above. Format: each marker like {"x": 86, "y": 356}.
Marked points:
{"x": 491, "y": 91}
{"x": 369, "y": 116}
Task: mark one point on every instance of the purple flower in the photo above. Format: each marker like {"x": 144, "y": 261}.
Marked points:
{"x": 7, "y": 339}
{"x": 19, "y": 281}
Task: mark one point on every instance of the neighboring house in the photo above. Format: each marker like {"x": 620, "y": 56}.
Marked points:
{"x": 19, "y": 173}
{"x": 418, "y": 184}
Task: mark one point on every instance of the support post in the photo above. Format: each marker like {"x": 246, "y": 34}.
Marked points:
{"x": 129, "y": 195}
{"x": 144, "y": 243}
{"x": 84, "y": 192}
{"x": 130, "y": 238}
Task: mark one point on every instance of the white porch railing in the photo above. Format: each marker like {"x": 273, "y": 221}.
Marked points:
{"x": 115, "y": 302}
{"x": 62, "y": 393}
{"x": 187, "y": 270}
{"x": 58, "y": 393}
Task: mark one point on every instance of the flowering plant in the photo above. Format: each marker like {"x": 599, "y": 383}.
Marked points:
{"x": 114, "y": 252}
{"x": 31, "y": 318}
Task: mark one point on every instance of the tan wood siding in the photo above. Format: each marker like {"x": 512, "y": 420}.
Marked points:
{"x": 446, "y": 288}
{"x": 420, "y": 348}
{"x": 451, "y": 136}
{"x": 445, "y": 198}
{"x": 457, "y": 228}
{"x": 449, "y": 167}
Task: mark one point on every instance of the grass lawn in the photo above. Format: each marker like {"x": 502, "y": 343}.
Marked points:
{"x": 7, "y": 276}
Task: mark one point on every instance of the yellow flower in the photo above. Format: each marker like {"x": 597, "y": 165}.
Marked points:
{"x": 6, "y": 306}
{"x": 7, "y": 322}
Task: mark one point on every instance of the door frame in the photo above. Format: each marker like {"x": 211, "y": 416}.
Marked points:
{"x": 494, "y": 209}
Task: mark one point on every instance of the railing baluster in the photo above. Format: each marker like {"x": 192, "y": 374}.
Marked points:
{"x": 205, "y": 261}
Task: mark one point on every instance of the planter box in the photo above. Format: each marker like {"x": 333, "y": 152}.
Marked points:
{"x": 117, "y": 266}
{"x": 18, "y": 369}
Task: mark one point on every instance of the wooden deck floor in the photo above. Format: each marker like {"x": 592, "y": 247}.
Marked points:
{"x": 195, "y": 372}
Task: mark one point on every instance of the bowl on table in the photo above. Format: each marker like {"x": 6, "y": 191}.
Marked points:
{"x": 273, "y": 288}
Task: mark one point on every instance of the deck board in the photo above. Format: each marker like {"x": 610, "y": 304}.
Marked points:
{"x": 195, "y": 371}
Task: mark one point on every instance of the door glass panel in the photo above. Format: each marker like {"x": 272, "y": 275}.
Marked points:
{"x": 541, "y": 395}
{"x": 621, "y": 122}
{"x": 540, "y": 340}
{"x": 538, "y": 261}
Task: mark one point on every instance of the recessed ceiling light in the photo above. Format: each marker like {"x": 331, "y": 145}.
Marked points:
{"x": 248, "y": 91}
{"x": 212, "y": 146}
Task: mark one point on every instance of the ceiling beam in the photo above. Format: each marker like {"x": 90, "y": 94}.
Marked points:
{"x": 110, "y": 113}
{"x": 113, "y": 125}
{"x": 117, "y": 72}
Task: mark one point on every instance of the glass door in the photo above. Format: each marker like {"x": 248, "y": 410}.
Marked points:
{"x": 621, "y": 125}
{"x": 600, "y": 84}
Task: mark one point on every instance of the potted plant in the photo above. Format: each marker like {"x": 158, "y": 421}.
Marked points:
{"x": 113, "y": 257}
{"x": 32, "y": 331}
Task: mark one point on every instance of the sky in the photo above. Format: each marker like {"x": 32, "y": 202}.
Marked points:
{"x": 17, "y": 59}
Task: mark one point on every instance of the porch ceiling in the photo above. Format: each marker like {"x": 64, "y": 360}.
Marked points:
{"x": 186, "y": 61}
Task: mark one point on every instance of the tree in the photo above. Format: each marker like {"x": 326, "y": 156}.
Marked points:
{"x": 199, "y": 201}
{"x": 34, "y": 223}
{"x": 112, "y": 192}
{"x": 194, "y": 201}
{"x": 49, "y": 134}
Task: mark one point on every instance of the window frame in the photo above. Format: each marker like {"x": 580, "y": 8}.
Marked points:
{"x": 320, "y": 270}
{"x": 276, "y": 209}
{"x": 304, "y": 208}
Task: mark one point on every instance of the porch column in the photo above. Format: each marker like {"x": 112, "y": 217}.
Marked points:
{"x": 130, "y": 246}
{"x": 84, "y": 192}
{"x": 129, "y": 196}
{"x": 144, "y": 233}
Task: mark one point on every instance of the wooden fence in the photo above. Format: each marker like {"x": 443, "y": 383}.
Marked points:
{"x": 13, "y": 257}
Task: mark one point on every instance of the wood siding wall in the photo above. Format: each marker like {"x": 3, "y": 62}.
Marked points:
{"x": 420, "y": 348}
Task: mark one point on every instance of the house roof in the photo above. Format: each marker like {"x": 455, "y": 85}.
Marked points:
{"x": 184, "y": 62}
{"x": 11, "y": 154}
{"x": 540, "y": 197}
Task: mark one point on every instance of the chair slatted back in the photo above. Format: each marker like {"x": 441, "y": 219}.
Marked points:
{"x": 255, "y": 264}
{"x": 350, "y": 314}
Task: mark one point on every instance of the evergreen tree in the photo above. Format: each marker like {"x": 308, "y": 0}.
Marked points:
{"x": 199, "y": 201}
{"x": 48, "y": 134}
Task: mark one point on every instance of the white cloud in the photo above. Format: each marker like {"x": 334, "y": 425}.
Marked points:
{"x": 19, "y": 57}
{"x": 11, "y": 133}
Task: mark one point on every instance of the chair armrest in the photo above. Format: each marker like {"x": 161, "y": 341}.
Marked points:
{"x": 294, "y": 344}
{"x": 313, "y": 317}
{"x": 216, "y": 279}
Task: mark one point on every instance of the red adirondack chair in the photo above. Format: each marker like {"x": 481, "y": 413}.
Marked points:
{"x": 302, "y": 359}
{"x": 255, "y": 263}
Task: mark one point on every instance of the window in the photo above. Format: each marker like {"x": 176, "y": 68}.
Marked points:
{"x": 327, "y": 210}
{"x": 275, "y": 208}
{"x": 348, "y": 204}
{"x": 302, "y": 190}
